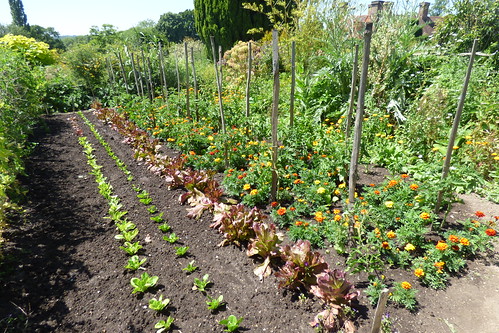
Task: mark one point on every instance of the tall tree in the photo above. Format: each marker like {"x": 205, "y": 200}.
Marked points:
{"x": 177, "y": 26}
{"x": 228, "y": 21}
{"x": 19, "y": 17}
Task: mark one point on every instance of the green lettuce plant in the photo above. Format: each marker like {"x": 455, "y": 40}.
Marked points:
{"x": 201, "y": 284}
{"x": 143, "y": 283}
{"x": 231, "y": 323}
{"x": 164, "y": 325}
{"x": 158, "y": 304}
{"x": 131, "y": 248}
{"x": 135, "y": 263}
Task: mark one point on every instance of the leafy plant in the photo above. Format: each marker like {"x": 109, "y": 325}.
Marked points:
{"x": 171, "y": 238}
{"x": 143, "y": 283}
{"x": 125, "y": 225}
{"x": 190, "y": 267}
{"x": 180, "y": 251}
{"x": 201, "y": 284}
{"x": 158, "y": 218}
{"x": 333, "y": 288}
{"x": 158, "y": 304}
{"x": 214, "y": 303}
{"x": 164, "y": 325}
{"x": 152, "y": 209}
{"x": 144, "y": 197}
{"x": 231, "y": 322}
{"x": 127, "y": 236}
{"x": 131, "y": 248}
{"x": 135, "y": 263}
{"x": 403, "y": 294}
{"x": 265, "y": 244}
{"x": 164, "y": 227}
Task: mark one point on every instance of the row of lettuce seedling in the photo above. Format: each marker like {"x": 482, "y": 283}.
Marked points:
{"x": 297, "y": 267}
{"x": 129, "y": 232}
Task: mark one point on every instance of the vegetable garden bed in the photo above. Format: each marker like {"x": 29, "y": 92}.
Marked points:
{"x": 63, "y": 269}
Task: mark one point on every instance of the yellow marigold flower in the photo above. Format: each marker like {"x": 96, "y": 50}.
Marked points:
{"x": 439, "y": 265}
{"x": 218, "y": 160}
{"x": 336, "y": 211}
{"x": 210, "y": 137}
{"x": 170, "y": 139}
{"x": 317, "y": 182}
{"x": 419, "y": 272}
{"x": 342, "y": 185}
{"x": 321, "y": 190}
{"x": 337, "y": 192}
{"x": 246, "y": 187}
{"x": 441, "y": 245}
{"x": 409, "y": 247}
{"x": 391, "y": 234}
{"x": 465, "y": 241}
{"x": 319, "y": 217}
{"x": 389, "y": 204}
{"x": 254, "y": 191}
{"x": 406, "y": 285}
{"x": 455, "y": 147}
{"x": 424, "y": 216}
{"x": 337, "y": 218}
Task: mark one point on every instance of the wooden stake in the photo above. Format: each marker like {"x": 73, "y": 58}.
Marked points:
{"x": 178, "y": 82}
{"x": 352, "y": 92}
{"x": 149, "y": 73}
{"x": 136, "y": 77}
{"x": 352, "y": 181}
{"x": 455, "y": 125}
{"x": 122, "y": 67}
{"x": 163, "y": 73}
{"x": 275, "y": 111}
{"x": 293, "y": 83}
{"x": 195, "y": 83}
{"x": 220, "y": 103}
{"x": 187, "y": 106}
{"x": 248, "y": 80}
{"x": 380, "y": 310}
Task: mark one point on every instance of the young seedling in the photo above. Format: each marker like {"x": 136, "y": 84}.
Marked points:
{"x": 180, "y": 251}
{"x": 135, "y": 263}
{"x": 190, "y": 267}
{"x": 127, "y": 236}
{"x": 144, "y": 197}
{"x": 143, "y": 283}
{"x": 171, "y": 238}
{"x": 164, "y": 227}
{"x": 158, "y": 304}
{"x": 152, "y": 209}
{"x": 214, "y": 303}
{"x": 136, "y": 188}
{"x": 125, "y": 226}
{"x": 164, "y": 325}
{"x": 201, "y": 284}
{"x": 131, "y": 248}
{"x": 158, "y": 218}
{"x": 232, "y": 323}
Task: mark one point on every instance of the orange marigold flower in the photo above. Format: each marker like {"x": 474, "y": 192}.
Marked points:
{"x": 298, "y": 181}
{"x": 390, "y": 234}
{"x": 192, "y": 152}
{"x": 385, "y": 245}
{"x": 392, "y": 183}
{"x": 414, "y": 187}
{"x": 246, "y": 187}
{"x": 319, "y": 217}
{"x": 479, "y": 214}
{"x": 465, "y": 242}
{"x": 292, "y": 209}
{"x": 254, "y": 191}
{"x": 406, "y": 285}
{"x": 424, "y": 215}
{"x": 281, "y": 211}
{"x": 337, "y": 218}
{"x": 274, "y": 204}
{"x": 404, "y": 175}
{"x": 419, "y": 272}
{"x": 439, "y": 265}
{"x": 298, "y": 223}
{"x": 454, "y": 239}
{"x": 441, "y": 245}
{"x": 491, "y": 232}
{"x": 377, "y": 192}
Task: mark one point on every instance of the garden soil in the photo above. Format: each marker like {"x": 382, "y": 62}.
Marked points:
{"x": 62, "y": 270}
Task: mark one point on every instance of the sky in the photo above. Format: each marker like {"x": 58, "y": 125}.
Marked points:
{"x": 75, "y": 17}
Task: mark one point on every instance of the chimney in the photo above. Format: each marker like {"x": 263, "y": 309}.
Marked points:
{"x": 423, "y": 12}
{"x": 374, "y": 10}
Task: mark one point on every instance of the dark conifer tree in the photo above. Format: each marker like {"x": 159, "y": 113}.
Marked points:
{"x": 19, "y": 17}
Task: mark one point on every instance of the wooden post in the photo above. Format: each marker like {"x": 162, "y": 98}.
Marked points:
{"x": 163, "y": 73}
{"x": 380, "y": 310}
{"x": 145, "y": 77}
{"x": 352, "y": 181}
{"x": 110, "y": 72}
{"x": 220, "y": 103}
{"x": 122, "y": 67}
{"x": 248, "y": 80}
{"x": 455, "y": 125}
{"x": 220, "y": 63}
{"x": 352, "y": 92}
{"x": 187, "y": 106}
{"x": 149, "y": 73}
{"x": 178, "y": 83}
{"x": 293, "y": 83}
{"x": 275, "y": 109}
{"x": 135, "y": 76}
{"x": 195, "y": 84}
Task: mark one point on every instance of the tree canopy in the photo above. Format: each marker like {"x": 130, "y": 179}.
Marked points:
{"x": 19, "y": 17}
{"x": 177, "y": 26}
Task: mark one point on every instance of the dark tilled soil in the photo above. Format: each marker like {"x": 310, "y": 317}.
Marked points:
{"x": 62, "y": 269}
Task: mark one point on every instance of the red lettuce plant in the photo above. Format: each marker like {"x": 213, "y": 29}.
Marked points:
{"x": 302, "y": 266}
{"x": 265, "y": 244}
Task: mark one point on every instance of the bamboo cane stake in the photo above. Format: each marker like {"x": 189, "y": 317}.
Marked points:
{"x": 275, "y": 109}
{"x": 122, "y": 67}
{"x": 352, "y": 92}
{"x": 178, "y": 82}
{"x": 220, "y": 63}
{"x": 220, "y": 103}
{"x": 149, "y": 72}
{"x": 136, "y": 76}
{"x": 196, "y": 93}
{"x": 163, "y": 73}
{"x": 187, "y": 104}
{"x": 110, "y": 72}
{"x": 139, "y": 76}
{"x": 148, "y": 90}
{"x": 248, "y": 80}
{"x": 455, "y": 125}
{"x": 352, "y": 181}
{"x": 293, "y": 83}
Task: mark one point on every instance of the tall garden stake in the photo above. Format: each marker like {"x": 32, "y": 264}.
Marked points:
{"x": 196, "y": 93}
{"x": 352, "y": 92}
{"x": 352, "y": 181}
{"x": 122, "y": 67}
{"x": 220, "y": 103}
{"x": 135, "y": 76}
{"x": 275, "y": 109}
{"x": 455, "y": 125}
{"x": 187, "y": 105}
{"x": 293, "y": 83}
{"x": 248, "y": 80}
{"x": 163, "y": 72}
{"x": 178, "y": 82}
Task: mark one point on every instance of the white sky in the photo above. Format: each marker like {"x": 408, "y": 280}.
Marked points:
{"x": 75, "y": 17}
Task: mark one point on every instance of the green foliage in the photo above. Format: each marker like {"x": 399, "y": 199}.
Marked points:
{"x": 158, "y": 304}
{"x": 177, "y": 27}
{"x": 164, "y": 325}
{"x": 231, "y": 322}
{"x": 19, "y": 17}
{"x": 135, "y": 263}
{"x": 35, "y": 52}
{"x": 143, "y": 283}
{"x": 214, "y": 303}
{"x": 201, "y": 284}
